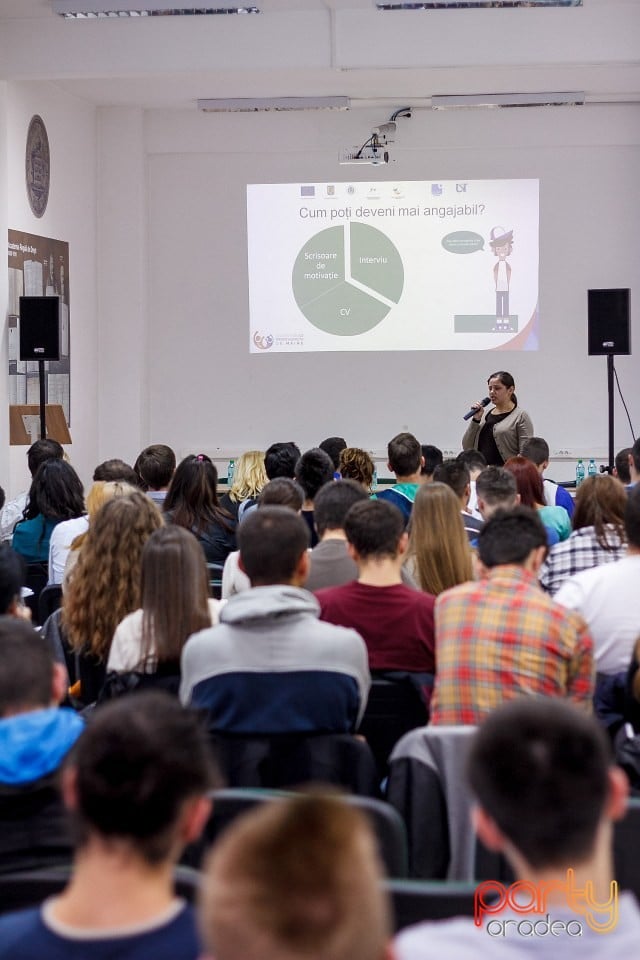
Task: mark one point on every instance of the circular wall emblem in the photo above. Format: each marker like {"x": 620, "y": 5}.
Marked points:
{"x": 37, "y": 166}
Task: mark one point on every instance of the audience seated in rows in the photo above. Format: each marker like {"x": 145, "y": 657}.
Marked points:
{"x": 330, "y": 563}
{"x": 313, "y": 470}
{"x": 502, "y": 637}
{"x": 598, "y": 532}
{"x": 297, "y": 879}
{"x": 356, "y": 464}
{"x": 556, "y": 520}
{"x": 35, "y": 737}
{"x": 271, "y": 666}
{"x": 536, "y": 449}
{"x": 546, "y": 797}
{"x": 438, "y": 556}
{"x": 154, "y": 468}
{"x": 55, "y": 495}
{"x": 395, "y": 621}
{"x": 496, "y": 489}
{"x": 282, "y": 492}
{"x": 105, "y": 585}
{"x": 192, "y": 503}
{"x": 249, "y": 478}
{"x": 432, "y": 457}
{"x": 476, "y": 462}
{"x": 175, "y": 603}
{"x": 455, "y": 473}
{"x": 136, "y": 789}
{"x": 67, "y": 551}
{"x": 333, "y": 447}
{"x": 405, "y": 461}
{"x": 13, "y": 510}
{"x": 280, "y": 460}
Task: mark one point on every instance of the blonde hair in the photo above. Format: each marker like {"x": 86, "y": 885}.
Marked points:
{"x": 249, "y": 476}
{"x": 105, "y": 584}
{"x": 438, "y": 546}
{"x": 100, "y": 492}
{"x": 296, "y": 878}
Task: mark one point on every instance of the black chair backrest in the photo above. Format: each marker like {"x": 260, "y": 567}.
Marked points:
{"x": 36, "y": 577}
{"x": 626, "y": 843}
{"x": 394, "y": 707}
{"x": 417, "y": 900}
{"x": 49, "y": 601}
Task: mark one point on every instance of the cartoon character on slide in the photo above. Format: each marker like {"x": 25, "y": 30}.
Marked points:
{"x": 501, "y": 243}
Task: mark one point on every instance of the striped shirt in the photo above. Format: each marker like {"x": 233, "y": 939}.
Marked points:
{"x": 502, "y": 637}
{"x": 580, "y": 552}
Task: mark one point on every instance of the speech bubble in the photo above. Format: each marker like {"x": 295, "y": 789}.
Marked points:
{"x": 463, "y": 241}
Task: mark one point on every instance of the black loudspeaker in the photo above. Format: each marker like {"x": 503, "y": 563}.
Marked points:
{"x": 39, "y": 328}
{"x": 609, "y": 322}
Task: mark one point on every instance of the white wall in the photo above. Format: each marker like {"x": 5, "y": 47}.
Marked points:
{"x": 70, "y": 216}
{"x": 205, "y": 391}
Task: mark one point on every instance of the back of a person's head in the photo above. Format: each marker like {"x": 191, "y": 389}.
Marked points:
{"x": 374, "y": 528}
{"x": 509, "y": 536}
{"x": 536, "y": 449}
{"x": 192, "y": 497}
{"x": 333, "y": 446}
{"x": 438, "y": 544}
{"x": 12, "y": 573}
{"x": 155, "y": 466}
{"x": 271, "y": 542}
{"x": 282, "y": 492}
{"x": 539, "y": 768}
{"x": 174, "y": 592}
{"x": 333, "y": 502}
{"x": 474, "y": 459}
{"x": 43, "y": 450}
{"x": 635, "y": 454}
{"x": 313, "y": 470}
{"x": 116, "y": 470}
{"x": 632, "y": 517}
{"x": 600, "y": 500}
{"x": 280, "y": 460}
{"x": 26, "y": 668}
{"x": 528, "y": 480}
{"x": 404, "y": 454}
{"x": 622, "y": 465}
{"x": 455, "y": 474}
{"x": 138, "y": 762}
{"x": 497, "y": 487}
{"x": 249, "y": 476}
{"x": 356, "y": 464}
{"x": 297, "y": 879}
{"x": 56, "y": 492}
{"x": 432, "y": 456}
{"x": 103, "y": 490}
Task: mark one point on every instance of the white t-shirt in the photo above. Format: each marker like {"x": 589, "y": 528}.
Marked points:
{"x": 62, "y": 537}
{"x": 126, "y": 649}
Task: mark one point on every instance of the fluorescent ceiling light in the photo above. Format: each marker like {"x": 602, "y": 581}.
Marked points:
{"x": 467, "y": 4}
{"x": 115, "y": 9}
{"x": 254, "y": 104}
{"x": 507, "y": 100}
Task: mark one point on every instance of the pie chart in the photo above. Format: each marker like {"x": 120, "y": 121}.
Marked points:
{"x": 347, "y": 278}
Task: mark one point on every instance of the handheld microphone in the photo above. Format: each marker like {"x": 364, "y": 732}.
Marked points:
{"x": 474, "y": 410}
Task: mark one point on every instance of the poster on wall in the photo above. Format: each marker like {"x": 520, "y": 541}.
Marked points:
{"x": 38, "y": 267}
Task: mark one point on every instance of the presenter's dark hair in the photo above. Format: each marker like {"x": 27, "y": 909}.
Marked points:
{"x": 539, "y": 768}
{"x": 313, "y": 470}
{"x": 138, "y": 761}
{"x": 374, "y": 528}
{"x": 12, "y": 576}
{"x": 506, "y": 380}
{"x": 404, "y": 454}
{"x": 271, "y": 542}
{"x": 334, "y": 502}
{"x": 432, "y": 458}
{"x": 192, "y": 497}
{"x": 43, "y": 450}
{"x": 56, "y": 492}
{"x": 280, "y": 460}
{"x": 509, "y": 536}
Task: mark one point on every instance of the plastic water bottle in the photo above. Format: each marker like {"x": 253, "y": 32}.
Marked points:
{"x": 232, "y": 468}
{"x": 592, "y": 470}
{"x": 579, "y": 473}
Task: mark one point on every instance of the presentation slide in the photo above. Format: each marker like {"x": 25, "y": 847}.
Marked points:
{"x": 397, "y": 265}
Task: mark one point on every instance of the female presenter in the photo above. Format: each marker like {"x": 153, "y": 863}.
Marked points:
{"x": 500, "y": 432}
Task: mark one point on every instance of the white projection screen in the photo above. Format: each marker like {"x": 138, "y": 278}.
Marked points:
{"x": 397, "y": 265}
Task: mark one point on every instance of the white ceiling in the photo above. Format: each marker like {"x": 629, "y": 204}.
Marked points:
{"x": 321, "y": 47}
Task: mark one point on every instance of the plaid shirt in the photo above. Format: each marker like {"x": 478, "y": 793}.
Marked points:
{"x": 580, "y": 552}
{"x": 502, "y": 637}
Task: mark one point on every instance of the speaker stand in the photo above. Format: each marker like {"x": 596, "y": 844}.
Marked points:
{"x": 43, "y": 415}
{"x": 610, "y": 372}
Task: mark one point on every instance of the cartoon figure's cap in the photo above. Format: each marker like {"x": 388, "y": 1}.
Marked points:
{"x": 500, "y": 235}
